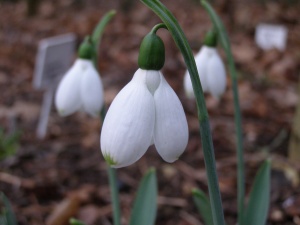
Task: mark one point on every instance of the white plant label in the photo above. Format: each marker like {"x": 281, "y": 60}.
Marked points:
{"x": 271, "y": 36}
{"x": 53, "y": 59}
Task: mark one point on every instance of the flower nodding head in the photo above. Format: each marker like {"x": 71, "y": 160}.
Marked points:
{"x": 210, "y": 67}
{"x": 80, "y": 88}
{"x": 146, "y": 110}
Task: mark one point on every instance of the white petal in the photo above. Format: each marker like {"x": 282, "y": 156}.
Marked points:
{"x": 128, "y": 127}
{"x": 202, "y": 59}
{"x": 188, "y": 87}
{"x": 152, "y": 80}
{"x": 67, "y": 98}
{"x": 216, "y": 79}
{"x": 171, "y": 129}
{"x": 91, "y": 91}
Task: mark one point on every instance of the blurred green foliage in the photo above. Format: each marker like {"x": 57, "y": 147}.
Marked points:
{"x": 7, "y": 216}
{"x": 8, "y": 143}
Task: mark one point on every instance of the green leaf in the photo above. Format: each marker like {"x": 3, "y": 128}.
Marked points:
{"x": 145, "y": 205}
{"x": 74, "y": 221}
{"x": 207, "y": 145}
{"x": 224, "y": 39}
{"x": 259, "y": 199}
{"x": 7, "y": 215}
{"x": 203, "y": 205}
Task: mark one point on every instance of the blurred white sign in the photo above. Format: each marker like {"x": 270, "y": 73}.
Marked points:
{"x": 271, "y": 36}
{"x": 54, "y": 58}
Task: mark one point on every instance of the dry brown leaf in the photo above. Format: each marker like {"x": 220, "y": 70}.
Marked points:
{"x": 64, "y": 211}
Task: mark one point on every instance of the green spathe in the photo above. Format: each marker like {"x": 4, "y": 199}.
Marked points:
{"x": 211, "y": 38}
{"x": 86, "y": 49}
{"x": 152, "y": 53}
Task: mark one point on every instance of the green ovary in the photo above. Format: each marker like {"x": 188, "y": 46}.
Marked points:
{"x": 110, "y": 160}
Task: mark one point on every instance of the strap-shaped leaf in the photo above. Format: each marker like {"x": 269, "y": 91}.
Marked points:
{"x": 8, "y": 215}
{"x": 145, "y": 205}
{"x": 203, "y": 205}
{"x": 259, "y": 199}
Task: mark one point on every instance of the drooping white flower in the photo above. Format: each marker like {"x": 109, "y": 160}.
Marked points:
{"x": 146, "y": 110}
{"x": 211, "y": 71}
{"x": 80, "y": 88}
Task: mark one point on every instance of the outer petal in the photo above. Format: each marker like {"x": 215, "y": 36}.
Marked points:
{"x": 91, "y": 91}
{"x": 128, "y": 127}
{"x": 216, "y": 79}
{"x": 171, "y": 129}
{"x": 202, "y": 59}
{"x": 67, "y": 97}
{"x": 187, "y": 84}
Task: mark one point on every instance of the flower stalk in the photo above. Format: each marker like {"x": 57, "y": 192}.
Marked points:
{"x": 112, "y": 176}
{"x": 224, "y": 40}
{"x": 181, "y": 42}
{"x": 97, "y": 34}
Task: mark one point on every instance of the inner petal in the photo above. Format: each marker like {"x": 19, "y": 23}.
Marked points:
{"x": 152, "y": 80}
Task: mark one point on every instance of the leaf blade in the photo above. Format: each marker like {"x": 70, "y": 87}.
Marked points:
{"x": 257, "y": 210}
{"x": 145, "y": 206}
{"x": 203, "y": 205}
{"x": 9, "y": 215}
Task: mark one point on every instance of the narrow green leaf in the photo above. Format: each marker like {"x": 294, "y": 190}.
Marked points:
{"x": 224, "y": 39}
{"x": 203, "y": 205}
{"x": 259, "y": 199}
{"x": 145, "y": 205}
{"x": 208, "y": 149}
{"x": 8, "y": 214}
{"x": 74, "y": 221}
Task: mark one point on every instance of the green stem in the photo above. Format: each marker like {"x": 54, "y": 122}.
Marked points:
{"x": 96, "y": 40}
{"x": 181, "y": 42}
{"x": 237, "y": 111}
{"x": 114, "y": 195}
{"x": 157, "y": 27}
{"x": 112, "y": 177}
{"x": 97, "y": 34}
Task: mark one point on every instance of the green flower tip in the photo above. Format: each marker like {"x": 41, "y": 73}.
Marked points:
{"x": 110, "y": 161}
{"x": 211, "y": 38}
{"x": 86, "y": 49}
{"x": 152, "y": 52}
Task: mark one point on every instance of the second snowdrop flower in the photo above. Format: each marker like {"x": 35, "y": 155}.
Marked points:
{"x": 210, "y": 68}
{"x": 81, "y": 87}
{"x": 146, "y": 111}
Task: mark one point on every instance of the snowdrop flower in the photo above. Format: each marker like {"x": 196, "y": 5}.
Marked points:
{"x": 210, "y": 68}
{"x": 80, "y": 89}
{"x": 146, "y": 111}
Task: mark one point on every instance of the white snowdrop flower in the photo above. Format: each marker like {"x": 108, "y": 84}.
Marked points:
{"x": 80, "y": 88}
{"x": 211, "y": 69}
{"x": 146, "y": 109}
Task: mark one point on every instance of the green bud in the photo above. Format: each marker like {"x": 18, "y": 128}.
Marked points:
{"x": 211, "y": 38}
{"x": 152, "y": 52}
{"x": 86, "y": 49}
